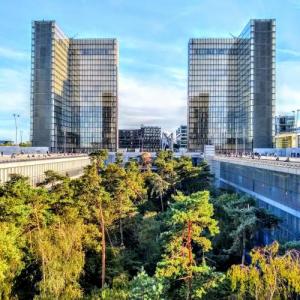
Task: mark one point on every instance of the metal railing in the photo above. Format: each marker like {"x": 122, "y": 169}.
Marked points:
{"x": 34, "y": 157}
{"x": 264, "y": 160}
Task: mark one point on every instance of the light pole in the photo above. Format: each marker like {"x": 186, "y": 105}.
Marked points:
{"x": 16, "y": 116}
{"x": 65, "y": 137}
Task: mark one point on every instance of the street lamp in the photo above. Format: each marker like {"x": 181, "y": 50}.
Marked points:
{"x": 16, "y": 116}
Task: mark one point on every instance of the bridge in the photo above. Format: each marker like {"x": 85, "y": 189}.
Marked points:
{"x": 35, "y": 166}
{"x": 275, "y": 185}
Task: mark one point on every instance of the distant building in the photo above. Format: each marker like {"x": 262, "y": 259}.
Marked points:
{"x": 147, "y": 138}
{"x": 288, "y": 130}
{"x": 74, "y": 91}
{"x": 181, "y": 136}
{"x": 129, "y": 139}
{"x": 288, "y": 122}
{"x": 231, "y": 89}
{"x": 287, "y": 140}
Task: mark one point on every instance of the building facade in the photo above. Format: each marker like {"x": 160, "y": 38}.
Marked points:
{"x": 147, "y": 138}
{"x": 231, "y": 90}
{"x": 129, "y": 139}
{"x": 287, "y": 128}
{"x": 74, "y": 91}
{"x": 181, "y": 136}
{"x": 288, "y": 122}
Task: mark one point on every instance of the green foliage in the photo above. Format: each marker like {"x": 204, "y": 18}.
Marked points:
{"x": 123, "y": 231}
{"x": 190, "y": 220}
{"x": 269, "y": 276}
{"x": 239, "y": 220}
{"x": 25, "y": 144}
{"x": 146, "y": 287}
{"x": 10, "y": 257}
{"x": 59, "y": 248}
{"x": 191, "y": 179}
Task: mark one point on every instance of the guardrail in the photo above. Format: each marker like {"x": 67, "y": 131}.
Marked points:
{"x": 38, "y": 157}
{"x": 293, "y": 163}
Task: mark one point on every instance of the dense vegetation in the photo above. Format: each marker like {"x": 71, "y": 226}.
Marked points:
{"x": 127, "y": 232}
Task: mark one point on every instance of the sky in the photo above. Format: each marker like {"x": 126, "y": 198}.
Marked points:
{"x": 153, "y": 37}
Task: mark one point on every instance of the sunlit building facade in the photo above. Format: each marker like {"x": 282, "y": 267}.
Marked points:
{"x": 74, "y": 98}
{"x": 231, "y": 90}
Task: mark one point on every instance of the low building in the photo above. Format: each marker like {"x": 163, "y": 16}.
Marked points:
{"x": 181, "y": 136}
{"x": 147, "y": 138}
{"x": 288, "y": 122}
{"x": 288, "y": 130}
{"x": 129, "y": 139}
{"x": 287, "y": 140}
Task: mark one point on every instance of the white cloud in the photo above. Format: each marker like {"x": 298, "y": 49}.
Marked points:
{"x": 14, "y": 91}
{"x": 14, "y": 98}
{"x": 151, "y": 103}
{"x": 13, "y": 54}
{"x": 288, "y": 86}
{"x": 290, "y": 52}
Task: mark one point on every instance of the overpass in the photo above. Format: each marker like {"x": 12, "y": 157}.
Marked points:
{"x": 35, "y": 166}
{"x": 275, "y": 185}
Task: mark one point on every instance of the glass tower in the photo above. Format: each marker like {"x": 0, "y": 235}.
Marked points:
{"x": 231, "y": 90}
{"x": 74, "y": 98}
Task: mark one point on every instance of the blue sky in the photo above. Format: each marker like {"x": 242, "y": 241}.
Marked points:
{"x": 153, "y": 37}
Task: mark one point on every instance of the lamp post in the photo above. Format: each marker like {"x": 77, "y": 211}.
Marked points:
{"x": 16, "y": 116}
{"x": 65, "y": 139}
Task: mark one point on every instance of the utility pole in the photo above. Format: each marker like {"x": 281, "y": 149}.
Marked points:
{"x": 21, "y": 136}
{"x": 16, "y": 116}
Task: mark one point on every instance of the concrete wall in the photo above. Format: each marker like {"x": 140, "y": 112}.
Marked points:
{"x": 35, "y": 169}
{"x": 276, "y": 186}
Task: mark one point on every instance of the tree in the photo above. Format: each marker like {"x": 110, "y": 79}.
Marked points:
{"x": 158, "y": 187}
{"x": 115, "y": 183}
{"x": 25, "y": 144}
{"x": 11, "y": 255}
{"x": 165, "y": 164}
{"x": 269, "y": 276}
{"x": 149, "y": 244}
{"x": 60, "y": 245}
{"x": 99, "y": 158}
{"x": 96, "y": 207}
{"x": 240, "y": 221}
{"x": 190, "y": 220}
{"x": 51, "y": 178}
{"x": 146, "y": 288}
{"x": 191, "y": 179}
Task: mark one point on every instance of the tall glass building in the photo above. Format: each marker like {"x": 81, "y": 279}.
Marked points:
{"x": 74, "y": 91}
{"x": 231, "y": 90}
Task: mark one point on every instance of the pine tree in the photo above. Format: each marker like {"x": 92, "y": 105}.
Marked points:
{"x": 190, "y": 220}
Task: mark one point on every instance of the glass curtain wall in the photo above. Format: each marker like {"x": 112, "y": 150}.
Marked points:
{"x": 231, "y": 90}
{"x": 74, "y": 91}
